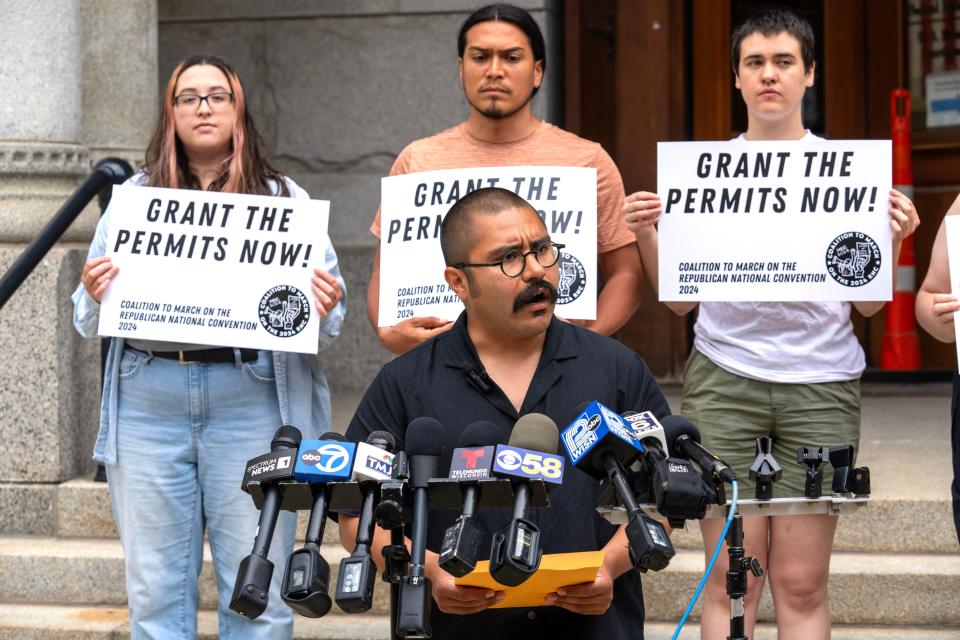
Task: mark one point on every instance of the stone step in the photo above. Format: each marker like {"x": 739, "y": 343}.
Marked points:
{"x": 865, "y": 588}
{"x": 91, "y": 571}
{"x": 81, "y": 508}
{"x": 65, "y": 622}
{"x": 885, "y": 525}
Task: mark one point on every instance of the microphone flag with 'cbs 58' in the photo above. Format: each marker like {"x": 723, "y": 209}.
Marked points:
{"x": 518, "y": 462}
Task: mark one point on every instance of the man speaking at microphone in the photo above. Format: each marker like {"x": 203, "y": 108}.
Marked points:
{"x": 507, "y": 356}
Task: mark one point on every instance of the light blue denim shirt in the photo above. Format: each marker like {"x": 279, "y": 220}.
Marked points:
{"x": 302, "y": 391}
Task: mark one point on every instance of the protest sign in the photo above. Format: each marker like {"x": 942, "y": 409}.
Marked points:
{"x": 785, "y": 220}
{"x": 413, "y": 206}
{"x": 210, "y": 268}
{"x": 953, "y": 258}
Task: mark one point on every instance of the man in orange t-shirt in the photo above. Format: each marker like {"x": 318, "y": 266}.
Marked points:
{"x": 502, "y": 58}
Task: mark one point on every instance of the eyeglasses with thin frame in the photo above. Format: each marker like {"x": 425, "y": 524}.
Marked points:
{"x": 514, "y": 261}
{"x": 217, "y": 101}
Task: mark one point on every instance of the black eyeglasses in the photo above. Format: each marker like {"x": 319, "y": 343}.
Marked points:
{"x": 514, "y": 261}
{"x": 216, "y": 101}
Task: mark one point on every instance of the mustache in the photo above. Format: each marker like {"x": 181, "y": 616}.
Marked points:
{"x": 533, "y": 290}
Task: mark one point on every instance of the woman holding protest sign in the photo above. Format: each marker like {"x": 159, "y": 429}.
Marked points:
{"x": 785, "y": 370}
{"x": 179, "y": 421}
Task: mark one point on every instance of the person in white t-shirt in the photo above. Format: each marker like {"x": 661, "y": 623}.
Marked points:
{"x": 787, "y": 370}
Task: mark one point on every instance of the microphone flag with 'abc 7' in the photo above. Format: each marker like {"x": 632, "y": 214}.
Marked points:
{"x": 307, "y": 574}
{"x": 601, "y": 443}
{"x": 471, "y": 462}
{"x": 373, "y": 462}
{"x": 252, "y": 587}
{"x": 515, "y": 551}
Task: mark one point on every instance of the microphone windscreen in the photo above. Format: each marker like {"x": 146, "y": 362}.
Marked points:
{"x": 286, "y": 437}
{"x": 482, "y": 433}
{"x": 676, "y": 426}
{"x": 333, "y": 435}
{"x": 382, "y": 439}
{"x": 424, "y": 437}
{"x": 536, "y": 432}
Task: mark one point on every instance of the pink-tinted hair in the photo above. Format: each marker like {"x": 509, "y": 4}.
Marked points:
{"x": 247, "y": 168}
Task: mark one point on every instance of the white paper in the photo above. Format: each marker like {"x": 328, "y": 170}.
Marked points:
{"x": 766, "y": 221}
{"x": 213, "y": 268}
{"x": 413, "y": 205}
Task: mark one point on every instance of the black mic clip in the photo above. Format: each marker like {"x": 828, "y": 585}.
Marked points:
{"x": 394, "y": 499}
{"x": 841, "y": 459}
{"x": 648, "y": 542}
{"x": 765, "y": 470}
{"x": 414, "y": 608}
{"x": 846, "y": 477}
{"x": 679, "y": 492}
{"x": 305, "y": 582}
{"x": 515, "y": 553}
{"x": 460, "y": 548}
{"x": 478, "y": 379}
{"x": 813, "y": 458}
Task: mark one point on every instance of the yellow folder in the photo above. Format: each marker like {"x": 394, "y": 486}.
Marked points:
{"x": 556, "y": 570}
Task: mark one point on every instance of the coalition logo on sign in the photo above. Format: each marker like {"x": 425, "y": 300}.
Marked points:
{"x": 853, "y": 259}
{"x": 284, "y": 311}
{"x": 573, "y": 279}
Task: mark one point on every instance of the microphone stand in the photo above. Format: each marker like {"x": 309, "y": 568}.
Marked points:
{"x": 397, "y": 564}
{"x": 737, "y": 568}
{"x": 396, "y": 555}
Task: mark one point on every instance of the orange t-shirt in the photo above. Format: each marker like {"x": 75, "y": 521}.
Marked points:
{"x": 455, "y": 148}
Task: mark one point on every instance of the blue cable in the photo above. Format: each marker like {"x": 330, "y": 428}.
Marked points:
{"x": 713, "y": 560}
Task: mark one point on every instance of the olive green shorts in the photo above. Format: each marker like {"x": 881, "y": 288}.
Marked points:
{"x": 731, "y": 412}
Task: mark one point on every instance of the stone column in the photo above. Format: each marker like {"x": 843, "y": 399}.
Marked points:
{"x": 60, "y": 58}
{"x": 119, "y": 86}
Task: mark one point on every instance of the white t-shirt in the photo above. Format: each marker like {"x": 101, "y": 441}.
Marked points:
{"x": 797, "y": 342}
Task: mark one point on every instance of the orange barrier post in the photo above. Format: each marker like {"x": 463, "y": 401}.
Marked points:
{"x": 901, "y": 345}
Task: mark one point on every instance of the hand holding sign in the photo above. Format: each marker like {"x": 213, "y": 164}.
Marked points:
{"x": 903, "y": 216}
{"x": 642, "y": 212}
{"x": 97, "y": 275}
{"x": 326, "y": 291}
{"x": 407, "y": 334}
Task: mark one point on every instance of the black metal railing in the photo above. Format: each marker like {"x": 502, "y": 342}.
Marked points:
{"x": 105, "y": 174}
{"x": 99, "y": 184}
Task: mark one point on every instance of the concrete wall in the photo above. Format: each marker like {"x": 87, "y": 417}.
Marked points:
{"x": 339, "y": 88}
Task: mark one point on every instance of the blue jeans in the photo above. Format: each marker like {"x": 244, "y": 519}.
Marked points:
{"x": 185, "y": 433}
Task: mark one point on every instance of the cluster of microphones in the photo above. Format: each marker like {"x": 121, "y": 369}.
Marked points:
{"x": 637, "y": 459}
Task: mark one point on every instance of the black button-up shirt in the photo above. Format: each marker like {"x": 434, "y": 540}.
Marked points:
{"x": 576, "y": 366}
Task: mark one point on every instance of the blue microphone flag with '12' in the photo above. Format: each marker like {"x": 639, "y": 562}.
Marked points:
{"x": 324, "y": 461}
{"x": 598, "y": 423}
